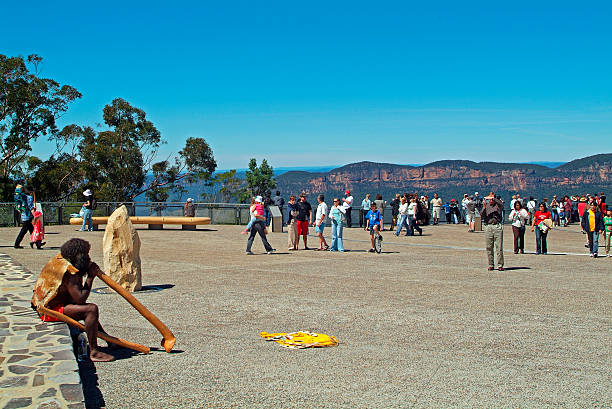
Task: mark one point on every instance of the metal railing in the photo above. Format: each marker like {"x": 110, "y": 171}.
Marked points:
{"x": 61, "y": 212}
{"x": 219, "y": 213}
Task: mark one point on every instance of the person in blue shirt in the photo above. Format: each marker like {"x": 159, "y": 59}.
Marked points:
{"x": 24, "y": 204}
{"x": 373, "y": 218}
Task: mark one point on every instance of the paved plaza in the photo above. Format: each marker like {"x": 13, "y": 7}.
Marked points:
{"x": 423, "y": 325}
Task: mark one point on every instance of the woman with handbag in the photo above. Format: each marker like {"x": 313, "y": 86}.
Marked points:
{"x": 542, "y": 228}
{"x": 518, "y": 217}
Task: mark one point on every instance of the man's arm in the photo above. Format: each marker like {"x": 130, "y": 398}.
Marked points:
{"x": 310, "y": 216}
{"x": 78, "y": 291}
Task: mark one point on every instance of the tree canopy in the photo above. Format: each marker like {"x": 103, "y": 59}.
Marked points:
{"x": 29, "y": 108}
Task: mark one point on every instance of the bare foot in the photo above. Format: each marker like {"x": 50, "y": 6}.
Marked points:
{"x": 99, "y": 356}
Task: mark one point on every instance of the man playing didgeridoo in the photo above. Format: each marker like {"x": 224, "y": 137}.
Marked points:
{"x": 60, "y": 287}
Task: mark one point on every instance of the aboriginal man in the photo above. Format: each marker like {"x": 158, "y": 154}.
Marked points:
{"x": 60, "y": 288}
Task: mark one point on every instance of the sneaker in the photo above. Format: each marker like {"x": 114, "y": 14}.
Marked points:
{"x": 595, "y": 255}
{"x": 490, "y": 268}
{"x": 18, "y": 247}
{"x": 371, "y": 251}
{"x": 249, "y": 253}
{"x": 591, "y": 255}
{"x": 500, "y": 269}
{"x": 271, "y": 251}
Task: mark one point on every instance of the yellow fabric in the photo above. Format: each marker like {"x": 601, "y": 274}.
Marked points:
{"x": 301, "y": 339}
{"x": 591, "y": 220}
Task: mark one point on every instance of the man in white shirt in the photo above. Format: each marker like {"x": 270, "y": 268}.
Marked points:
{"x": 436, "y": 204}
{"x": 348, "y": 204}
{"x": 319, "y": 223}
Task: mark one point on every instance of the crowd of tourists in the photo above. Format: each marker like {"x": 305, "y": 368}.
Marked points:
{"x": 407, "y": 213}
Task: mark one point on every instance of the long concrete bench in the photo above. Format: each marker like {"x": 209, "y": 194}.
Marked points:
{"x": 154, "y": 222}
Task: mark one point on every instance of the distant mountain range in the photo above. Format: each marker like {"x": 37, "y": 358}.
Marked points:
{"x": 452, "y": 178}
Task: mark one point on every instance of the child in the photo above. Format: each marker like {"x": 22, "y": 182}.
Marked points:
{"x": 256, "y": 209}
{"x": 607, "y": 231}
{"x": 38, "y": 234}
{"x": 561, "y": 212}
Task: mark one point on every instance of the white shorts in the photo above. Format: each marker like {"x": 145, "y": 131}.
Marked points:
{"x": 436, "y": 212}
{"x": 469, "y": 217}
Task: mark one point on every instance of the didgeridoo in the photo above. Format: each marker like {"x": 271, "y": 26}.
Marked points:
{"x": 168, "y": 337}
{"x": 117, "y": 341}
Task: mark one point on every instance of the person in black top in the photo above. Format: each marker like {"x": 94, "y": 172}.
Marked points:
{"x": 491, "y": 214}
{"x": 303, "y": 219}
{"x": 395, "y": 204}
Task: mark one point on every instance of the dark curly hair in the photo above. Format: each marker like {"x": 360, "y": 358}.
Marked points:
{"x": 76, "y": 251}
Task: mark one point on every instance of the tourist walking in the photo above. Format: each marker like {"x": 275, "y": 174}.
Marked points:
{"x": 518, "y": 217}
{"x": 88, "y": 210}
{"x": 470, "y": 214}
{"x": 436, "y": 206}
{"x": 258, "y": 227}
{"x": 413, "y": 216}
{"x": 38, "y": 234}
{"x": 491, "y": 214}
{"x": 592, "y": 224}
{"x": 319, "y": 223}
{"x": 403, "y": 217}
{"x": 531, "y": 208}
{"x": 454, "y": 208}
{"x": 267, "y": 202}
{"x": 337, "y": 217}
{"x": 541, "y": 232}
{"x": 380, "y": 206}
{"x": 303, "y": 220}
{"x": 554, "y": 210}
{"x": 395, "y": 204}
{"x": 348, "y": 205}
{"x": 189, "y": 208}
{"x": 24, "y": 204}
{"x": 373, "y": 224}
{"x": 365, "y": 208}
{"x": 292, "y": 213}
{"x": 567, "y": 210}
{"x": 607, "y": 231}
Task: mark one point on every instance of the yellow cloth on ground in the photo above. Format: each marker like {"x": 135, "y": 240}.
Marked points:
{"x": 301, "y": 339}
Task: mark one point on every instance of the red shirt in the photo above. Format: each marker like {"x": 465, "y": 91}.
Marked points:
{"x": 581, "y": 207}
{"x": 539, "y": 216}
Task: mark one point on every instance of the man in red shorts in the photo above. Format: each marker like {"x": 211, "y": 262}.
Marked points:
{"x": 60, "y": 287}
{"x": 303, "y": 219}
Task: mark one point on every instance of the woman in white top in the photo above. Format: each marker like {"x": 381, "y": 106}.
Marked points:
{"x": 403, "y": 216}
{"x": 337, "y": 217}
{"x": 518, "y": 217}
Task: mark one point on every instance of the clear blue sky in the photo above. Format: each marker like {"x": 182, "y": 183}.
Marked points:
{"x": 332, "y": 83}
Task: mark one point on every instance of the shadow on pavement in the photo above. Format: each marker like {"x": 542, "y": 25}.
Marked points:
{"x": 89, "y": 380}
{"x": 516, "y": 268}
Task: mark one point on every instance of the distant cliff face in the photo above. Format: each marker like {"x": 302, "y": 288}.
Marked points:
{"x": 454, "y": 176}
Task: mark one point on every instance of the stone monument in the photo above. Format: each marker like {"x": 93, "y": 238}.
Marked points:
{"x": 121, "y": 246}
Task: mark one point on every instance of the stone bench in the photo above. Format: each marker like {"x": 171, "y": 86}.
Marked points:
{"x": 154, "y": 222}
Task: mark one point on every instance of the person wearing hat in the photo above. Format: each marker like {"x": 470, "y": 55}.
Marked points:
{"x": 189, "y": 208}
{"x": 348, "y": 205}
{"x": 88, "y": 209}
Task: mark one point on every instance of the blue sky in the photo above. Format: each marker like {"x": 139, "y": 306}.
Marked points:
{"x": 326, "y": 83}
